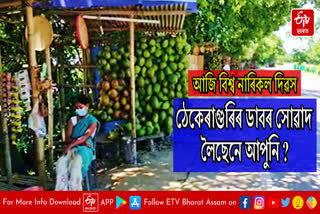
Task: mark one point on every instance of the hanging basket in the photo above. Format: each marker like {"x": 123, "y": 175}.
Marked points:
{"x": 82, "y": 32}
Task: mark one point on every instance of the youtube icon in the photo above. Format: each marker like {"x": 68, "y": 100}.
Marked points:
{"x": 273, "y": 202}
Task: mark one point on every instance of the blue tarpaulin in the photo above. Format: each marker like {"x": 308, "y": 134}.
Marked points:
{"x": 191, "y": 4}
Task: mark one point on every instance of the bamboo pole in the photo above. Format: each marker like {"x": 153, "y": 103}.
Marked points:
{"x": 40, "y": 162}
{"x": 50, "y": 112}
{"x": 77, "y": 86}
{"x": 5, "y": 134}
{"x": 121, "y": 19}
{"x": 61, "y": 95}
{"x": 69, "y": 66}
{"x": 90, "y": 76}
{"x": 85, "y": 71}
{"x": 133, "y": 94}
{"x": 10, "y": 4}
{"x": 161, "y": 11}
{"x": 137, "y": 29}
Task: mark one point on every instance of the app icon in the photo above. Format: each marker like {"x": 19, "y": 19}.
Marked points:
{"x": 311, "y": 202}
{"x": 135, "y": 202}
{"x": 245, "y": 202}
{"x": 90, "y": 202}
{"x": 285, "y": 203}
{"x": 302, "y": 22}
{"x": 297, "y": 202}
{"x": 273, "y": 202}
{"x": 120, "y": 202}
{"x": 258, "y": 202}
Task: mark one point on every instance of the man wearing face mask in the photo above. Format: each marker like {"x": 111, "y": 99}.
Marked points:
{"x": 81, "y": 128}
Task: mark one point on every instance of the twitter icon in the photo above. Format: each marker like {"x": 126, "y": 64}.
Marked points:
{"x": 286, "y": 202}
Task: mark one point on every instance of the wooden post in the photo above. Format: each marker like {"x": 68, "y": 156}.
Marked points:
{"x": 50, "y": 112}
{"x": 40, "y": 162}
{"x": 152, "y": 146}
{"x": 61, "y": 94}
{"x": 7, "y": 155}
{"x": 133, "y": 94}
{"x": 88, "y": 71}
{"x": 84, "y": 62}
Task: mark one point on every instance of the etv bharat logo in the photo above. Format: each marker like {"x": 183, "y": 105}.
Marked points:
{"x": 90, "y": 202}
{"x": 302, "y": 22}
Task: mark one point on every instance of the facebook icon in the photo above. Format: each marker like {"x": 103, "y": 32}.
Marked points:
{"x": 245, "y": 202}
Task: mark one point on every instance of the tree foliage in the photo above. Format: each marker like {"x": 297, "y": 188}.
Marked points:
{"x": 268, "y": 50}
{"x": 235, "y": 24}
{"x": 14, "y": 51}
{"x": 311, "y": 56}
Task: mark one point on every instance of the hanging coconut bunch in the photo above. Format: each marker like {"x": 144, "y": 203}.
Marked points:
{"x": 114, "y": 102}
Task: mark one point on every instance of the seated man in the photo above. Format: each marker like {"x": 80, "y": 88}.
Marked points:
{"x": 81, "y": 128}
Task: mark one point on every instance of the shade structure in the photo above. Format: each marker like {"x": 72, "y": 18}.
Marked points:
{"x": 169, "y": 18}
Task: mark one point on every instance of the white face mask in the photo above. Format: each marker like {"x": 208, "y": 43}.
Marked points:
{"x": 81, "y": 112}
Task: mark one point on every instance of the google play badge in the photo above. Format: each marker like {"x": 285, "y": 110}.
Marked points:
{"x": 311, "y": 202}
{"x": 120, "y": 202}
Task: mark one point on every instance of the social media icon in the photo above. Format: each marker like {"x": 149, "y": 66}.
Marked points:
{"x": 120, "y": 202}
{"x": 297, "y": 202}
{"x": 311, "y": 202}
{"x": 285, "y": 202}
{"x": 273, "y": 202}
{"x": 135, "y": 202}
{"x": 259, "y": 202}
{"x": 245, "y": 202}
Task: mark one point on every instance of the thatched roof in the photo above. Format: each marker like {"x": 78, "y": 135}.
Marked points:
{"x": 171, "y": 17}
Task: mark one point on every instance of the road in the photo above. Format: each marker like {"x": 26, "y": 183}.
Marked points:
{"x": 156, "y": 172}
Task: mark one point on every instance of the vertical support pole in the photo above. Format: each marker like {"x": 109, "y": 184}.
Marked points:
{"x": 152, "y": 146}
{"x": 7, "y": 155}
{"x": 50, "y": 111}
{"x": 89, "y": 73}
{"x": 61, "y": 94}
{"x": 85, "y": 73}
{"x": 40, "y": 162}
{"x": 133, "y": 94}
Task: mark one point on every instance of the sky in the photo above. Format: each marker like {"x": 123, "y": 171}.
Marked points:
{"x": 293, "y": 42}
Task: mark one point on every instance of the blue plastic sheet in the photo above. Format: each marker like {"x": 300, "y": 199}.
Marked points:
{"x": 191, "y": 4}
{"x": 110, "y": 126}
{"x": 96, "y": 77}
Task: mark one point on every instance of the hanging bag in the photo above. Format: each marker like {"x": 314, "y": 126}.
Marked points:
{"x": 36, "y": 122}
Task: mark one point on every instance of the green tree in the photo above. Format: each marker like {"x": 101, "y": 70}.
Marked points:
{"x": 14, "y": 51}
{"x": 299, "y": 57}
{"x": 312, "y": 55}
{"x": 236, "y": 24}
{"x": 268, "y": 50}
